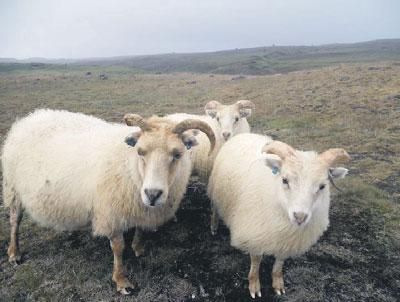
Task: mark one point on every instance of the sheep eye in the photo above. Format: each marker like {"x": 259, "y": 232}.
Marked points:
{"x": 176, "y": 155}
{"x": 141, "y": 152}
{"x": 285, "y": 181}
{"x": 321, "y": 187}
{"x": 217, "y": 119}
{"x": 236, "y": 119}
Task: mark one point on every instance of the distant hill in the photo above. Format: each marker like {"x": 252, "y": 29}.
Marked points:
{"x": 251, "y": 61}
{"x": 38, "y": 60}
{"x": 260, "y": 60}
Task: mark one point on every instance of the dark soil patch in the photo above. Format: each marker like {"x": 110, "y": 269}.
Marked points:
{"x": 383, "y": 156}
{"x": 392, "y": 185}
{"x": 353, "y": 261}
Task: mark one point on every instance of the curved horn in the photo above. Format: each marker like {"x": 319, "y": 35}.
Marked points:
{"x": 136, "y": 120}
{"x": 279, "y": 148}
{"x": 196, "y": 124}
{"x": 334, "y": 155}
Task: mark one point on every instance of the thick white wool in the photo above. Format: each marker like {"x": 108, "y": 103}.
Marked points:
{"x": 70, "y": 171}
{"x": 249, "y": 200}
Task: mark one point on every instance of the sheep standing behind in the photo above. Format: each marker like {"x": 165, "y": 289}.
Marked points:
{"x": 274, "y": 205}
{"x": 70, "y": 171}
{"x": 226, "y": 122}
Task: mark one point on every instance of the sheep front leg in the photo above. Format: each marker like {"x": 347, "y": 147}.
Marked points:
{"x": 123, "y": 285}
{"x": 14, "y": 255}
{"x": 254, "y": 276}
{"x": 277, "y": 277}
{"x": 214, "y": 220}
{"x": 137, "y": 244}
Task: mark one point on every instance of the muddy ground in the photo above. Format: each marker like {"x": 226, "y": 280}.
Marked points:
{"x": 183, "y": 262}
{"x": 357, "y": 259}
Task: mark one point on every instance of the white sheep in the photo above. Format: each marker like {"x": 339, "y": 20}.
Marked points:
{"x": 273, "y": 205}
{"x": 226, "y": 122}
{"x": 70, "y": 171}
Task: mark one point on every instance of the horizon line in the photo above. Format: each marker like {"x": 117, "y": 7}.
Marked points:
{"x": 188, "y": 53}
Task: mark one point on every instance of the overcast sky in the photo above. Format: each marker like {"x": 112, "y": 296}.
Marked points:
{"x": 93, "y": 28}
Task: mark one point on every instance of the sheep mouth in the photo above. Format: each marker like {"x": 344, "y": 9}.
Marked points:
{"x": 299, "y": 223}
{"x": 154, "y": 205}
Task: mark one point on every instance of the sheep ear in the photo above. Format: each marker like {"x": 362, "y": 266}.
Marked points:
{"x": 245, "y": 107}
{"x": 189, "y": 139}
{"x": 211, "y": 108}
{"x": 132, "y": 139}
{"x": 338, "y": 172}
{"x": 274, "y": 162}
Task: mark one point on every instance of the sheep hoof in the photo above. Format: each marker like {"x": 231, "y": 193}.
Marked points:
{"x": 278, "y": 285}
{"x": 280, "y": 291}
{"x": 127, "y": 291}
{"x": 255, "y": 289}
{"x": 14, "y": 258}
{"x": 175, "y": 218}
{"x": 124, "y": 287}
{"x": 139, "y": 251}
{"x": 214, "y": 223}
{"x": 253, "y": 295}
{"x": 15, "y": 261}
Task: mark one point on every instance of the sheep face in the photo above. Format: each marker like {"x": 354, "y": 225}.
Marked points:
{"x": 160, "y": 148}
{"x": 159, "y": 159}
{"x": 304, "y": 185}
{"x": 229, "y": 117}
{"x": 303, "y": 178}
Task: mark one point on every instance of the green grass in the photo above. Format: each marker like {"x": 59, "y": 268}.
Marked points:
{"x": 353, "y": 106}
{"x": 296, "y": 123}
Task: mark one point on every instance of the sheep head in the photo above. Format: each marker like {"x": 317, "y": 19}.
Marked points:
{"x": 303, "y": 177}
{"x": 229, "y": 117}
{"x": 160, "y": 147}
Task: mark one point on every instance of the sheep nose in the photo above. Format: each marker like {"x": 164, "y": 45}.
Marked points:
{"x": 226, "y": 135}
{"x": 153, "y": 195}
{"x": 300, "y": 217}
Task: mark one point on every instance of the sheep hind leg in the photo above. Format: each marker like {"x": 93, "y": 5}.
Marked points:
{"x": 277, "y": 277}
{"x": 254, "y": 276}
{"x": 14, "y": 255}
{"x": 214, "y": 221}
{"x": 124, "y": 286}
{"x": 137, "y": 244}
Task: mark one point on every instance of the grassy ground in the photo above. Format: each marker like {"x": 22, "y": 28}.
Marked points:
{"x": 355, "y": 106}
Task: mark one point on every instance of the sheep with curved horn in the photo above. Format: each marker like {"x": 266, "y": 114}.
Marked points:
{"x": 226, "y": 122}
{"x": 273, "y": 198}
{"x": 69, "y": 171}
